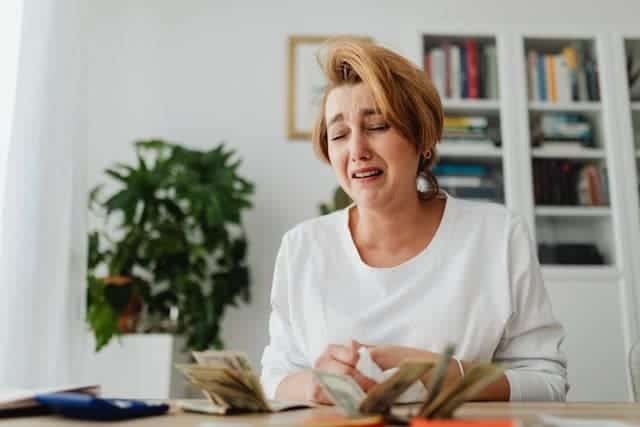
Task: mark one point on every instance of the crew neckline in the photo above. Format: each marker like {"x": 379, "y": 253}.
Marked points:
{"x": 434, "y": 246}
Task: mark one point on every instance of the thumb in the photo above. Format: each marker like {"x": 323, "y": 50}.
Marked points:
{"x": 357, "y": 345}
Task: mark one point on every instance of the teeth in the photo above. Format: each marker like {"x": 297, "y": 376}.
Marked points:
{"x": 366, "y": 174}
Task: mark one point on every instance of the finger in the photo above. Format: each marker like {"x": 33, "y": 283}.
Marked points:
{"x": 363, "y": 381}
{"x": 344, "y": 354}
{"x": 335, "y": 366}
{"x": 358, "y": 345}
{"x": 319, "y": 396}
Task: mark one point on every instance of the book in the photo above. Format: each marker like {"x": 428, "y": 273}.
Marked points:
{"x": 446, "y": 48}
{"x": 230, "y": 385}
{"x": 542, "y": 80}
{"x": 454, "y": 57}
{"x": 558, "y": 126}
{"x": 460, "y": 169}
{"x": 491, "y": 79}
{"x": 438, "y": 70}
{"x": 466, "y": 122}
{"x": 563, "y": 79}
{"x": 633, "y": 74}
{"x": 533, "y": 82}
{"x": 552, "y": 94}
{"x": 471, "y": 48}
{"x": 19, "y": 401}
{"x": 589, "y": 191}
{"x": 571, "y": 59}
{"x": 581, "y": 78}
{"x": 464, "y": 73}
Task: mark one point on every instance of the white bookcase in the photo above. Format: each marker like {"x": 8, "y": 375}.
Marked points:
{"x": 597, "y": 303}
{"x": 531, "y": 166}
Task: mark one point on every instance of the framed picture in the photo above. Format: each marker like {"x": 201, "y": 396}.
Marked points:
{"x": 306, "y": 83}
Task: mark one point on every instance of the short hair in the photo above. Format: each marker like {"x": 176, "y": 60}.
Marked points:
{"x": 404, "y": 94}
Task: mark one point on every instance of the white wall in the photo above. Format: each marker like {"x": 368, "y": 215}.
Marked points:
{"x": 202, "y": 71}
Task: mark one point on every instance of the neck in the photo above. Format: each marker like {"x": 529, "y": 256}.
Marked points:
{"x": 392, "y": 228}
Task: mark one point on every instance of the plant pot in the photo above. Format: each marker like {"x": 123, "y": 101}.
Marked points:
{"x": 140, "y": 366}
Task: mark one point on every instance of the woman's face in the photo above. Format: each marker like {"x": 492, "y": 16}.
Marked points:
{"x": 373, "y": 162}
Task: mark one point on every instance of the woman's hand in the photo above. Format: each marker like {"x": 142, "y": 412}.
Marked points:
{"x": 338, "y": 359}
{"x": 391, "y": 356}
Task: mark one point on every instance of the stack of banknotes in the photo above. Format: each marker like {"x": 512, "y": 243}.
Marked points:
{"x": 231, "y": 385}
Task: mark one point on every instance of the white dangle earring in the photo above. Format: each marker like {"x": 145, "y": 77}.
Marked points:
{"x": 422, "y": 182}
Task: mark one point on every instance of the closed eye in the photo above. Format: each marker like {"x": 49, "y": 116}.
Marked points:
{"x": 337, "y": 137}
{"x": 382, "y": 127}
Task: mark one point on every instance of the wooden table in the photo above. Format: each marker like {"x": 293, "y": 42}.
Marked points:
{"x": 527, "y": 412}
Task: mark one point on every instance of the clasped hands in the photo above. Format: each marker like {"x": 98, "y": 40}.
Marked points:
{"x": 342, "y": 359}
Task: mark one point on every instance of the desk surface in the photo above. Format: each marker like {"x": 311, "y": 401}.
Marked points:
{"x": 525, "y": 411}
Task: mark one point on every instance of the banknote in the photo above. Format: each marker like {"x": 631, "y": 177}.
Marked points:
{"x": 381, "y": 396}
{"x": 343, "y": 391}
{"x": 474, "y": 381}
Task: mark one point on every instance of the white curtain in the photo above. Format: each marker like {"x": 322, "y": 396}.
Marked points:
{"x": 10, "y": 25}
{"x": 42, "y": 229}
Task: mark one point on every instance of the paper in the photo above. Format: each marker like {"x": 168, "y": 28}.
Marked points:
{"x": 17, "y": 399}
{"x": 416, "y": 393}
{"x": 554, "y": 421}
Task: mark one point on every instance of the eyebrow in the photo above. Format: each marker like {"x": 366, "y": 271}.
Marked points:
{"x": 364, "y": 112}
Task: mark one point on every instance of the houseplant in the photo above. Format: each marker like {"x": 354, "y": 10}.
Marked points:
{"x": 340, "y": 201}
{"x": 171, "y": 255}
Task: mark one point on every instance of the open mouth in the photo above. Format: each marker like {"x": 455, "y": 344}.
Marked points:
{"x": 366, "y": 174}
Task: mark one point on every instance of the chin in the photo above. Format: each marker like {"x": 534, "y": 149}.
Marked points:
{"x": 369, "y": 202}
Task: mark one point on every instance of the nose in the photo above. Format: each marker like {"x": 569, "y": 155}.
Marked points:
{"x": 359, "y": 146}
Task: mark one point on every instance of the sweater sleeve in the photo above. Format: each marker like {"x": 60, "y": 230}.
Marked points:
{"x": 530, "y": 346}
{"x": 283, "y": 355}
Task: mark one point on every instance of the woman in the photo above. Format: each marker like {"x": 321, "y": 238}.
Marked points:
{"x": 406, "y": 269}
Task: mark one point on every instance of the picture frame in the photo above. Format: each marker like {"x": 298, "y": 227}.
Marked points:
{"x": 306, "y": 83}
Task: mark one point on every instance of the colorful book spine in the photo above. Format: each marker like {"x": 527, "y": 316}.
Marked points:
{"x": 463, "y": 73}
{"x": 438, "y": 70}
{"x": 542, "y": 83}
{"x": 533, "y": 84}
{"x": 471, "y": 48}
{"x": 492, "y": 72}
{"x": 552, "y": 95}
{"x": 454, "y": 57}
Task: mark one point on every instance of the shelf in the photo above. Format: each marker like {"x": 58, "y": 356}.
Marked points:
{"x": 479, "y": 105}
{"x": 580, "y": 273}
{"x": 551, "y": 152}
{"x": 573, "y": 106}
{"x": 573, "y": 211}
{"x": 468, "y": 149}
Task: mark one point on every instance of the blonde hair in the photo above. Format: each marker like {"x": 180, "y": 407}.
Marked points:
{"x": 403, "y": 93}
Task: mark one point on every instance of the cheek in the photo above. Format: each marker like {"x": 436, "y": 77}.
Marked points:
{"x": 336, "y": 157}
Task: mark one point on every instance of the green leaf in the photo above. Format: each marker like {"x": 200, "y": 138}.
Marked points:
{"x": 177, "y": 204}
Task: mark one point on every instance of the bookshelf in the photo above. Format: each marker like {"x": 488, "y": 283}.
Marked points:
{"x": 464, "y": 70}
{"x": 610, "y": 145}
{"x": 573, "y": 221}
{"x": 555, "y": 156}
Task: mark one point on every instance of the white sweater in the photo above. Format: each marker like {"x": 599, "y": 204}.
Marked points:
{"x": 477, "y": 285}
